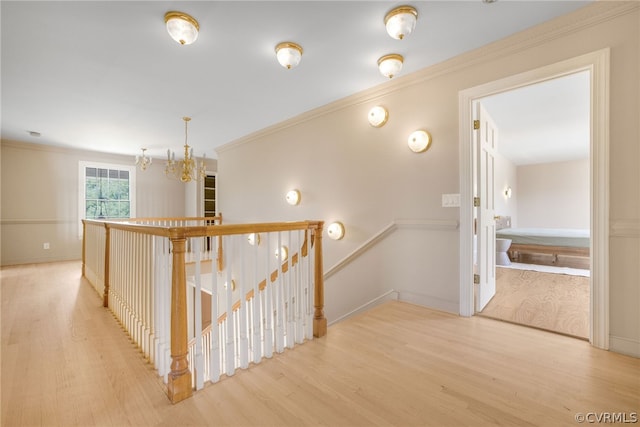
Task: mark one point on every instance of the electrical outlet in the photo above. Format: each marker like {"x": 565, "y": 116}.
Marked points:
{"x": 45, "y": 245}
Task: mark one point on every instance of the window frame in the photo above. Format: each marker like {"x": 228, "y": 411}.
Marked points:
{"x": 82, "y": 185}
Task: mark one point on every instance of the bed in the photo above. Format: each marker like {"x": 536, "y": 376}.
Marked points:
{"x": 560, "y": 247}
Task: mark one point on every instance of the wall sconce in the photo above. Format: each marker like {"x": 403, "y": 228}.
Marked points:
{"x": 419, "y": 141}
{"x": 289, "y": 54}
{"x": 181, "y": 27}
{"x": 143, "y": 161}
{"x": 378, "y": 116}
{"x": 233, "y": 285}
{"x": 507, "y": 193}
{"x": 401, "y": 21}
{"x": 283, "y": 253}
{"x": 390, "y": 65}
{"x": 293, "y": 197}
{"x": 253, "y": 239}
{"x": 335, "y": 230}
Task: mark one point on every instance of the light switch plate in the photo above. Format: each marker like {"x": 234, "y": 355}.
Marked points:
{"x": 451, "y": 200}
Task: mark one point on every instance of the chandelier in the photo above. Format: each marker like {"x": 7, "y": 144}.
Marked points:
{"x": 188, "y": 169}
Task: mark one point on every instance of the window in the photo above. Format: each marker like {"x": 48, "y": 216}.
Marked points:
{"x": 106, "y": 191}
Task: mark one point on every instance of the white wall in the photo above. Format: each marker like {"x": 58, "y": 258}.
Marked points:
{"x": 40, "y": 200}
{"x": 506, "y": 177}
{"x": 367, "y": 178}
{"x": 554, "y": 195}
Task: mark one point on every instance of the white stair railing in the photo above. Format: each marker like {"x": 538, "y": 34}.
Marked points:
{"x": 271, "y": 301}
{"x": 156, "y": 275}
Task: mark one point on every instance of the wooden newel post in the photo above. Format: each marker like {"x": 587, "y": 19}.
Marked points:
{"x": 319, "y": 321}
{"x": 179, "y": 386}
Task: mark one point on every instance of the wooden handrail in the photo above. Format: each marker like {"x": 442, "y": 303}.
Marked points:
{"x": 180, "y": 377}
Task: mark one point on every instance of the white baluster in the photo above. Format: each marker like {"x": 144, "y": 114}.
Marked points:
{"x": 242, "y": 310}
{"x": 268, "y": 302}
{"x": 310, "y": 290}
{"x": 256, "y": 308}
{"x": 286, "y": 282}
{"x": 279, "y": 300}
{"x": 214, "y": 358}
{"x": 298, "y": 290}
{"x": 199, "y": 362}
{"x": 230, "y": 336}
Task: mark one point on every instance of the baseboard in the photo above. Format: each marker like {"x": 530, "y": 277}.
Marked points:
{"x": 430, "y": 302}
{"x": 624, "y": 346}
{"x": 387, "y": 296}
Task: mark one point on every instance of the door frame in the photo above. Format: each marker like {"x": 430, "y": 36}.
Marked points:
{"x": 598, "y": 64}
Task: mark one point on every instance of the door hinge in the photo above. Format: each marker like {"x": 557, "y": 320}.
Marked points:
{"x": 476, "y": 124}
{"x": 476, "y": 202}
{"x": 476, "y": 279}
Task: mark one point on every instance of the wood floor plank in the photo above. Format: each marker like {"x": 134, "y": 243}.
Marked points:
{"x": 67, "y": 362}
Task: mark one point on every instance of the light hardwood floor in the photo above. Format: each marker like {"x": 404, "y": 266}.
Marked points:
{"x": 553, "y": 302}
{"x": 66, "y": 361}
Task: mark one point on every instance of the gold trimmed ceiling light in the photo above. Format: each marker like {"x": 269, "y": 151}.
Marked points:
{"x": 289, "y": 54}
{"x": 181, "y": 27}
{"x": 401, "y": 21}
{"x": 390, "y": 65}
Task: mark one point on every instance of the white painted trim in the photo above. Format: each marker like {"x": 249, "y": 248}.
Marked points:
{"x": 625, "y": 346}
{"x": 429, "y": 224}
{"x": 598, "y": 64}
{"x": 630, "y": 228}
{"x": 429, "y": 301}
{"x": 26, "y": 221}
{"x": 390, "y": 295}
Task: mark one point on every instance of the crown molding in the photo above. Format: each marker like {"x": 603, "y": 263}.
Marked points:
{"x": 595, "y": 13}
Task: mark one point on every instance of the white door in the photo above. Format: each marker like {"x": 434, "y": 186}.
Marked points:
{"x": 487, "y": 139}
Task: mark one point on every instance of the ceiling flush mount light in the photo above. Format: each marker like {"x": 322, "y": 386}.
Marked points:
{"x": 293, "y": 197}
{"x": 378, "y": 116}
{"x": 401, "y": 21}
{"x": 288, "y": 54}
{"x": 419, "y": 141}
{"x": 188, "y": 169}
{"x": 390, "y": 65}
{"x": 335, "y": 230}
{"x": 181, "y": 27}
{"x": 143, "y": 161}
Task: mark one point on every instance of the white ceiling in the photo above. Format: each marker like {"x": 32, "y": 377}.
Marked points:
{"x": 545, "y": 122}
{"x": 106, "y": 76}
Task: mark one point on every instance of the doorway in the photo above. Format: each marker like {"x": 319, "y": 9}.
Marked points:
{"x": 537, "y": 166}
{"x": 597, "y": 63}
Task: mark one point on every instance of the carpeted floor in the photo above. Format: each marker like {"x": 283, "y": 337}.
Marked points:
{"x": 555, "y": 302}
